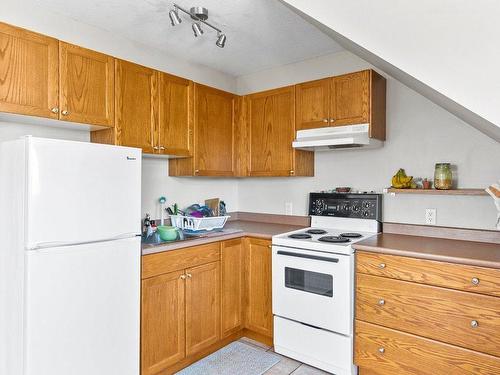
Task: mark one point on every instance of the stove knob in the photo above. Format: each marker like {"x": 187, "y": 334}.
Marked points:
{"x": 345, "y": 207}
{"x": 365, "y": 213}
{"x": 355, "y": 208}
{"x": 366, "y": 205}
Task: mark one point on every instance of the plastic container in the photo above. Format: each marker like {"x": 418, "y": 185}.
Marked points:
{"x": 198, "y": 224}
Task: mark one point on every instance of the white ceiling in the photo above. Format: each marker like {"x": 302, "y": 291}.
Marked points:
{"x": 260, "y": 33}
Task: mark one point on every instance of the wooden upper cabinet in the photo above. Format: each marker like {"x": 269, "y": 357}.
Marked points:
{"x": 28, "y": 73}
{"x": 271, "y": 131}
{"x": 313, "y": 104}
{"x": 202, "y": 307}
{"x": 175, "y": 128}
{"x": 162, "y": 322}
{"x": 87, "y": 86}
{"x": 350, "y": 98}
{"x": 136, "y": 105}
{"x": 214, "y": 132}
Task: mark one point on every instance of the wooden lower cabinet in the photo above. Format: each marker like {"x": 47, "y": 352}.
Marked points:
{"x": 196, "y": 300}
{"x": 259, "y": 316}
{"x": 384, "y": 351}
{"x": 162, "y": 322}
{"x": 232, "y": 272}
{"x": 202, "y": 307}
{"x": 411, "y": 319}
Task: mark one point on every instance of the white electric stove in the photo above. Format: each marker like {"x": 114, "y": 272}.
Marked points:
{"x": 313, "y": 280}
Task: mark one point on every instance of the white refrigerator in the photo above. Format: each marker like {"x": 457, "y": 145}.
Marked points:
{"x": 69, "y": 258}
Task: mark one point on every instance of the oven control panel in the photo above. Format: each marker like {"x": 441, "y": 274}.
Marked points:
{"x": 358, "y": 206}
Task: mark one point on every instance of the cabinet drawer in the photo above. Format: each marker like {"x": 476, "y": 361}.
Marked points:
{"x": 465, "y": 319}
{"x": 449, "y": 275}
{"x": 387, "y": 352}
{"x": 173, "y": 260}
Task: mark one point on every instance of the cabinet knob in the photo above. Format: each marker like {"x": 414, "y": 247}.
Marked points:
{"x": 189, "y": 275}
{"x": 381, "y": 350}
{"x": 161, "y": 148}
{"x": 196, "y": 171}
{"x": 183, "y": 277}
{"x": 292, "y": 172}
{"x": 474, "y": 324}
{"x": 381, "y": 302}
{"x": 475, "y": 281}
{"x": 65, "y": 112}
{"x": 156, "y": 148}
{"x": 381, "y": 265}
{"x": 54, "y": 110}
{"x": 332, "y": 120}
{"x": 325, "y": 120}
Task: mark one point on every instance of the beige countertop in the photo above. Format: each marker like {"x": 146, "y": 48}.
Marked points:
{"x": 233, "y": 229}
{"x": 440, "y": 249}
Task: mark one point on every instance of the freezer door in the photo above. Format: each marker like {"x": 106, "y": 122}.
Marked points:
{"x": 82, "y": 309}
{"x": 81, "y": 192}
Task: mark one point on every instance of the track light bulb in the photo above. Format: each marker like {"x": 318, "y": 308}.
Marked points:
{"x": 174, "y": 17}
{"x": 197, "y": 29}
{"x": 221, "y": 40}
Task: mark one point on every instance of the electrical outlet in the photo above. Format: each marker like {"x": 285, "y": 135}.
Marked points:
{"x": 288, "y": 208}
{"x": 430, "y": 216}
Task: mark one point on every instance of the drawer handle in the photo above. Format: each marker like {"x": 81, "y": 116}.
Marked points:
{"x": 381, "y": 350}
{"x": 475, "y": 281}
{"x": 381, "y": 302}
{"x": 474, "y": 324}
{"x": 381, "y": 265}
{"x": 65, "y": 112}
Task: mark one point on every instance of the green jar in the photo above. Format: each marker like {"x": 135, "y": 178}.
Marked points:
{"x": 443, "y": 178}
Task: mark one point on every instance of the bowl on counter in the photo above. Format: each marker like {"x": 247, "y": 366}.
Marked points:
{"x": 167, "y": 232}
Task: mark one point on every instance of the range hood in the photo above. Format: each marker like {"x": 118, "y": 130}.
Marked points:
{"x": 336, "y": 138}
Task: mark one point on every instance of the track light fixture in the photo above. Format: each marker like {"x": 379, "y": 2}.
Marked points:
{"x": 200, "y": 16}
{"x": 197, "y": 29}
{"x": 174, "y": 17}
{"x": 221, "y": 40}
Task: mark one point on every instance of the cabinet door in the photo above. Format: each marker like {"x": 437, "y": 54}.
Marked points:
{"x": 136, "y": 105}
{"x": 28, "y": 73}
{"x": 350, "y": 99}
{"x": 312, "y": 104}
{"x": 232, "y": 286}
{"x": 259, "y": 315}
{"x": 214, "y": 112}
{"x": 162, "y": 322}
{"x": 202, "y": 307}
{"x": 175, "y": 115}
{"x": 87, "y": 86}
{"x": 271, "y": 124}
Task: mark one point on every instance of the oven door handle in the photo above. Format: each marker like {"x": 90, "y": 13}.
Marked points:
{"x": 306, "y": 256}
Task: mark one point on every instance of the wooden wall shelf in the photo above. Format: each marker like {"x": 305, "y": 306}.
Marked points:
{"x": 470, "y": 192}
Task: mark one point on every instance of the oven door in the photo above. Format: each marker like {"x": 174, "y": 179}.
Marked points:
{"x": 314, "y": 288}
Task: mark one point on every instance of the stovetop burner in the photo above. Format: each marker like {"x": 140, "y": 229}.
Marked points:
{"x": 351, "y": 235}
{"x": 300, "y": 236}
{"x": 316, "y": 231}
{"x": 334, "y": 239}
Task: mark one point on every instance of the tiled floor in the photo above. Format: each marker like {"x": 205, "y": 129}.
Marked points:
{"x": 286, "y": 366}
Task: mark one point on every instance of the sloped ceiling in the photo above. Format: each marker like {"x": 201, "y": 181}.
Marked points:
{"x": 446, "y": 50}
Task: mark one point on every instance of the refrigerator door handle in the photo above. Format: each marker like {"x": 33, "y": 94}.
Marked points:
{"x": 45, "y": 245}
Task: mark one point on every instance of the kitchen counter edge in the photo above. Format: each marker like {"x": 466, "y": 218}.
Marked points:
{"x": 439, "y": 249}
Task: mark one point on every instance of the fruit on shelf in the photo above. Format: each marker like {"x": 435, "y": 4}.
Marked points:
{"x": 400, "y": 180}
